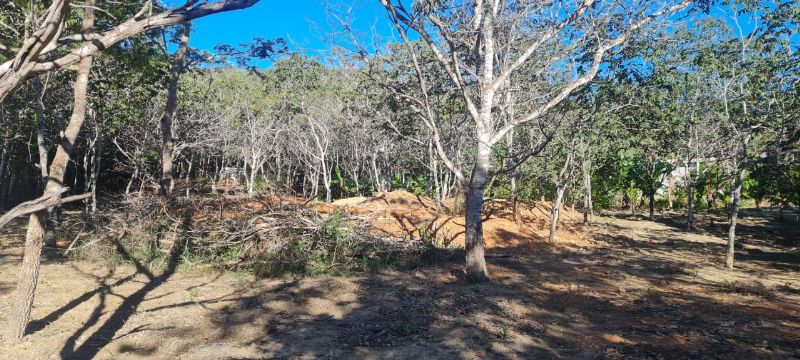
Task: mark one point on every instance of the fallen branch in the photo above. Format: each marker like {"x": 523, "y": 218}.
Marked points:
{"x": 49, "y": 200}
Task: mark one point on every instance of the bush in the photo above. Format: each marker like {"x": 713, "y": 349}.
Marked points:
{"x": 268, "y": 240}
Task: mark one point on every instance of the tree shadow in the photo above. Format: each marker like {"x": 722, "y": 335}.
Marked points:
{"x": 542, "y": 305}
{"x": 635, "y": 298}
{"x": 106, "y": 333}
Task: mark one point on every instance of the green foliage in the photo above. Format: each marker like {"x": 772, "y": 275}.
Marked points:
{"x": 416, "y": 185}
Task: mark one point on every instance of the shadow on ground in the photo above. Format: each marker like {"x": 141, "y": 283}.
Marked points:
{"x": 634, "y": 297}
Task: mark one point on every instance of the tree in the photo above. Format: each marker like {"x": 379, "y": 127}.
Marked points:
{"x": 468, "y": 38}
{"x": 167, "y": 143}
{"x": 34, "y": 238}
{"x": 45, "y": 50}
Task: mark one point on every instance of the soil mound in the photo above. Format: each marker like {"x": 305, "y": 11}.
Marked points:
{"x": 402, "y": 214}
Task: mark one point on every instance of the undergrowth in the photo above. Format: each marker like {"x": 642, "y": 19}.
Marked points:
{"x": 271, "y": 241}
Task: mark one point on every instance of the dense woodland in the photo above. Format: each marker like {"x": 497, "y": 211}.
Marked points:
{"x": 645, "y": 107}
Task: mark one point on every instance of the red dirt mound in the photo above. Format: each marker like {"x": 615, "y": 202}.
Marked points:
{"x": 405, "y": 215}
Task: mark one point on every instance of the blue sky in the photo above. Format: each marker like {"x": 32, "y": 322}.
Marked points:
{"x": 303, "y": 23}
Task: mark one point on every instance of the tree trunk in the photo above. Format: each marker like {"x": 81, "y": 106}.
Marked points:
{"x": 587, "y": 188}
{"x": 689, "y": 195}
{"x": 40, "y": 143}
{"x": 251, "y": 180}
{"x": 314, "y": 184}
{"x": 555, "y": 211}
{"x": 670, "y": 188}
{"x": 3, "y": 162}
{"x": 327, "y": 182}
{"x": 736, "y": 194}
{"x": 98, "y": 153}
{"x": 187, "y": 180}
{"x": 167, "y": 142}
{"x": 561, "y": 187}
{"x": 512, "y": 178}
{"x": 476, "y": 263}
{"x": 133, "y": 177}
{"x": 652, "y": 198}
{"x": 11, "y": 182}
{"x": 690, "y": 206}
{"x": 34, "y": 238}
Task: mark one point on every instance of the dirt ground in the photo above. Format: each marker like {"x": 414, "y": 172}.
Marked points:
{"x": 639, "y": 289}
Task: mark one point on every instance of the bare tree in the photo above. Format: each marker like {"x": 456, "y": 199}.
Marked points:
{"x": 466, "y": 39}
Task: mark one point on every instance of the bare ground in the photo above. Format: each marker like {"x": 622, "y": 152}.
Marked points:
{"x": 642, "y": 290}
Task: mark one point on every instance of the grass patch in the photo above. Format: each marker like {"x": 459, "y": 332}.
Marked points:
{"x": 753, "y": 288}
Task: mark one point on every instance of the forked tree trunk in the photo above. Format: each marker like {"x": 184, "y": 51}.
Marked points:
{"x": 130, "y": 181}
{"x": 476, "y": 263}
{"x": 736, "y": 191}
{"x": 167, "y": 142}
{"x": 34, "y": 237}
{"x": 558, "y": 196}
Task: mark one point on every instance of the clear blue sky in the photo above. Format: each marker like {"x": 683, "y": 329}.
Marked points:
{"x": 303, "y": 23}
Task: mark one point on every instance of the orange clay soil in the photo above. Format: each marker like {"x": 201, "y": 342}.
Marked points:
{"x": 404, "y": 215}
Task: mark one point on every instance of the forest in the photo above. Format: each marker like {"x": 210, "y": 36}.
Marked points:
{"x": 508, "y": 179}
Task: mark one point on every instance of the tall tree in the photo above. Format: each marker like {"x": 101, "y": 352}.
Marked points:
{"x": 46, "y": 50}
{"x": 34, "y": 237}
{"x": 469, "y": 40}
{"x": 167, "y": 143}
